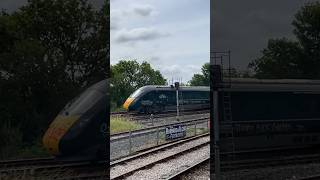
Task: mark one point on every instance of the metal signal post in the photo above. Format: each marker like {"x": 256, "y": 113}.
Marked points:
{"x": 176, "y": 85}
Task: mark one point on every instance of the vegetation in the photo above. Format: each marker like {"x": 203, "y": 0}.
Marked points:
{"x": 127, "y": 76}
{"x": 50, "y": 51}
{"x": 119, "y": 124}
{"x": 201, "y": 79}
{"x": 204, "y": 78}
{"x": 283, "y": 58}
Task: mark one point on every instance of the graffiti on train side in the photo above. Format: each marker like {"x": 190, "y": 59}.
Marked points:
{"x": 274, "y": 127}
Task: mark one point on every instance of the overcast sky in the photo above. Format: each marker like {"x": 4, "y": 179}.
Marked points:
{"x": 244, "y": 27}
{"x": 172, "y": 35}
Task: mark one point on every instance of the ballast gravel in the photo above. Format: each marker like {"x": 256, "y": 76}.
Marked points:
{"x": 291, "y": 172}
{"x": 131, "y": 165}
{"x": 165, "y": 169}
{"x": 200, "y": 173}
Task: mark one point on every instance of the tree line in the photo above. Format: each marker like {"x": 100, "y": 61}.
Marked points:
{"x": 49, "y": 52}
{"x": 52, "y": 50}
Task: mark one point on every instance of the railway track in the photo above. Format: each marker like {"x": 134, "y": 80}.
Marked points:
{"x": 185, "y": 171}
{"x": 252, "y": 164}
{"x": 312, "y": 177}
{"x": 26, "y": 162}
{"x": 49, "y": 168}
{"x": 141, "y": 117}
{"x": 133, "y": 167}
{"x": 227, "y": 166}
{"x": 124, "y": 168}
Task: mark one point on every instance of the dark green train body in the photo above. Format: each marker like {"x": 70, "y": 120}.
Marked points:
{"x": 260, "y": 114}
{"x": 151, "y": 99}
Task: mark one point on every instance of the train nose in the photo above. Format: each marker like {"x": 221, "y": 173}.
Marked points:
{"x": 127, "y": 103}
{"x": 57, "y": 129}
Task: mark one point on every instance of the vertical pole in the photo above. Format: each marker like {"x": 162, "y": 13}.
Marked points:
{"x": 177, "y": 97}
{"x": 229, "y": 59}
{"x": 151, "y": 117}
{"x": 195, "y": 128}
{"x": 216, "y": 135}
{"x": 130, "y": 142}
{"x": 157, "y": 135}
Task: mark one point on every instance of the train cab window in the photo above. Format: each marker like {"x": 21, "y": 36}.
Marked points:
{"x": 82, "y": 103}
{"x": 136, "y": 93}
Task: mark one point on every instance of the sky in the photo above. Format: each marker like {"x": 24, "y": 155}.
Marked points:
{"x": 244, "y": 27}
{"x": 172, "y": 35}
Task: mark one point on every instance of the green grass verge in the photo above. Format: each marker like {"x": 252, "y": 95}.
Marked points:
{"x": 117, "y": 109}
{"x": 119, "y": 124}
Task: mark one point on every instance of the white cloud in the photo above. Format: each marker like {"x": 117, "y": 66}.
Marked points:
{"x": 138, "y": 34}
{"x": 140, "y": 30}
{"x": 176, "y": 71}
{"x": 143, "y": 10}
{"x": 120, "y": 17}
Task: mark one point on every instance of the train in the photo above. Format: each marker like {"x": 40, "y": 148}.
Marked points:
{"x": 254, "y": 114}
{"x": 80, "y": 129}
{"x": 157, "y": 99}
{"x": 257, "y": 114}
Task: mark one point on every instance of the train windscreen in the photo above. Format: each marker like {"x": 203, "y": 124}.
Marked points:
{"x": 82, "y": 103}
{"x": 136, "y": 93}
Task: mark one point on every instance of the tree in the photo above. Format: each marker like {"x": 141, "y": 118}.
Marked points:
{"x": 201, "y": 79}
{"x": 204, "y": 78}
{"x": 307, "y": 30}
{"x": 128, "y": 76}
{"x": 50, "y": 51}
{"x": 281, "y": 59}
{"x": 294, "y": 59}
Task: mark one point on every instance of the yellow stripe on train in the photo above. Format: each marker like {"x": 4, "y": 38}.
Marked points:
{"x": 127, "y": 103}
{"x": 56, "y": 131}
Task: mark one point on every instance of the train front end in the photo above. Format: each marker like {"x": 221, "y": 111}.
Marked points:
{"x": 131, "y": 104}
{"x": 79, "y": 130}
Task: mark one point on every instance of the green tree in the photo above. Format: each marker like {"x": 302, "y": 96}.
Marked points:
{"x": 281, "y": 59}
{"x": 204, "y": 78}
{"x": 307, "y": 31}
{"x": 201, "y": 79}
{"x": 50, "y": 51}
{"x": 294, "y": 59}
{"x": 128, "y": 76}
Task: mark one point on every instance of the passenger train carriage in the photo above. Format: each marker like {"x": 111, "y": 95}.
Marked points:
{"x": 151, "y": 99}
{"x": 266, "y": 114}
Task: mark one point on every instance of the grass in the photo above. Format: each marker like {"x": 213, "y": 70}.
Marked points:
{"x": 120, "y": 124}
{"x": 117, "y": 109}
{"x": 33, "y": 151}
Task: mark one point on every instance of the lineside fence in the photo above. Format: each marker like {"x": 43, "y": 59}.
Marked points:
{"x": 128, "y": 143}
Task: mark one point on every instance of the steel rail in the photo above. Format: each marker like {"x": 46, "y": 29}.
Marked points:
{"x": 155, "y": 149}
{"x": 148, "y": 165}
{"x": 186, "y": 170}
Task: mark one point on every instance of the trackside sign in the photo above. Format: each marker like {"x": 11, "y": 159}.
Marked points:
{"x": 175, "y": 131}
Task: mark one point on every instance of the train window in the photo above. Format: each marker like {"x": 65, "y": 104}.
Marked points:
{"x": 274, "y": 106}
{"x": 187, "y": 95}
{"x": 171, "y": 97}
{"x": 82, "y": 103}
